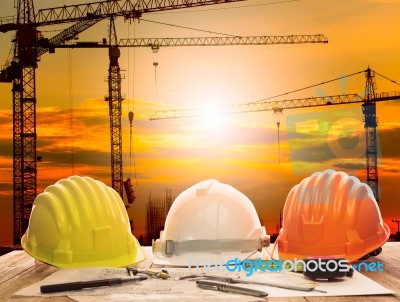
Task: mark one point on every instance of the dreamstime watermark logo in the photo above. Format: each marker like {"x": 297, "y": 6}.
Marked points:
{"x": 250, "y": 266}
{"x": 328, "y": 136}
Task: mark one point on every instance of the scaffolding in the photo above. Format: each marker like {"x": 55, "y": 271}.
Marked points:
{"x": 156, "y": 213}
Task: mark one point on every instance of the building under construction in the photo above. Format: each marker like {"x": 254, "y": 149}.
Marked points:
{"x": 156, "y": 213}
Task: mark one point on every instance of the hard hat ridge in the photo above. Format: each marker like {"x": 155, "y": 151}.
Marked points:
{"x": 80, "y": 221}
{"x": 331, "y": 214}
{"x": 210, "y": 220}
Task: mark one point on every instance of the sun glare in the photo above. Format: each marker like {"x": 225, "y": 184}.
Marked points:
{"x": 213, "y": 118}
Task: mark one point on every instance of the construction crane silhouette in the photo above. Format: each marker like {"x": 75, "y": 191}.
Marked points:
{"x": 114, "y": 97}
{"x": 29, "y": 45}
{"x": 368, "y": 108}
{"x": 21, "y": 71}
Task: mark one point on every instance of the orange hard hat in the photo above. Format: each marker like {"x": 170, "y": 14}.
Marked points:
{"x": 331, "y": 214}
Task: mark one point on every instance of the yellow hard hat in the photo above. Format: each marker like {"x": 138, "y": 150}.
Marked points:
{"x": 80, "y": 222}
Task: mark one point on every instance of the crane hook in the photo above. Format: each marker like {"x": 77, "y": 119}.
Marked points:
{"x": 130, "y": 116}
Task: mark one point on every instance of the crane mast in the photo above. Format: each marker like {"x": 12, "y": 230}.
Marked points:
{"x": 370, "y": 124}
{"x": 24, "y": 117}
{"x": 114, "y": 100}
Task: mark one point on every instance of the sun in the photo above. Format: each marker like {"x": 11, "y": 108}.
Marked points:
{"x": 213, "y": 119}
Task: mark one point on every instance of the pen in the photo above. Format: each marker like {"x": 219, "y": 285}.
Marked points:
{"x": 188, "y": 277}
{"x": 61, "y": 287}
{"x": 226, "y": 287}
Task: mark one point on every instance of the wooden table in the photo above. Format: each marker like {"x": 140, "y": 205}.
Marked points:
{"x": 18, "y": 270}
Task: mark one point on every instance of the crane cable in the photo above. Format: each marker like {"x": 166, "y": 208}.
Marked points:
{"x": 189, "y": 28}
{"x": 278, "y": 123}
{"x": 325, "y": 82}
{"x": 278, "y": 113}
{"x": 393, "y": 81}
{"x": 224, "y": 8}
{"x": 131, "y": 111}
{"x": 155, "y": 64}
{"x": 308, "y": 87}
{"x": 155, "y": 49}
{"x": 71, "y": 109}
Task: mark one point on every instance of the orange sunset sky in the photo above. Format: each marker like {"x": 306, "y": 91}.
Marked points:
{"x": 241, "y": 149}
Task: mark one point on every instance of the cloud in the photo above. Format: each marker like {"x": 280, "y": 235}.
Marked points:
{"x": 350, "y": 166}
{"x": 85, "y": 133}
{"x": 391, "y": 170}
{"x": 6, "y": 147}
{"x": 6, "y": 189}
{"x": 310, "y": 152}
{"x": 60, "y": 157}
{"x": 390, "y": 142}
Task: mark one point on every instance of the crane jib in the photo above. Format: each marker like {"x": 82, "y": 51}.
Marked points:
{"x": 101, "y": 10}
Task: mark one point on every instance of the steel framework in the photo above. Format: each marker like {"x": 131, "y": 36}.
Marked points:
{"x": 24, "y": 117}
{"x": 114, "y": 100}
{"x": 370, "y": 124}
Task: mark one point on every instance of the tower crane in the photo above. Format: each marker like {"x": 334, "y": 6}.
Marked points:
{"x": 368, "y": 108}
{"x": 21, "y": 71}
{"x": 114, "y": 97}
{"x": 114, "y": 100}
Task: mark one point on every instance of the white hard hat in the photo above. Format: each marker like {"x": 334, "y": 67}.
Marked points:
{"x": 211, "y": 221}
